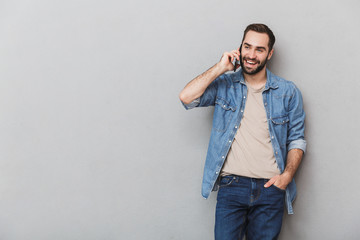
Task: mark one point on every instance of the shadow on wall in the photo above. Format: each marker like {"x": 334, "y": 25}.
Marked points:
{"x": 274, "y": 64}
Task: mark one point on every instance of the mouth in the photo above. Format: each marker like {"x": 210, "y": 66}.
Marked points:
{"x": 250, "y": 62}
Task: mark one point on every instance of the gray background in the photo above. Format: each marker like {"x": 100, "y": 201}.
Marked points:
{"x": 94, "y": 143}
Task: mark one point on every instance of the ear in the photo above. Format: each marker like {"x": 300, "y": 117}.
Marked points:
{"x": 270, "y": 54}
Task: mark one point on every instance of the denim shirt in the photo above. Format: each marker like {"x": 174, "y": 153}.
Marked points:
{"x": 285, "y": 117}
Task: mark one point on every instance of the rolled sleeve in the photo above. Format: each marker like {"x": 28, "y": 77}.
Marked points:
{"x": 208, "y": 97}
{"x": 298, "y": 144}
{"x": 191, "y": 105}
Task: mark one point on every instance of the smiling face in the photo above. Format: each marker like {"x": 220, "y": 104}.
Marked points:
{"x": 254, "y": 52}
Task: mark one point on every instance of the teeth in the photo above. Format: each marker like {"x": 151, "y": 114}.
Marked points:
{"x": 250, "y": 62}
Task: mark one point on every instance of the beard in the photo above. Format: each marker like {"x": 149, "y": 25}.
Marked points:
{"x": 256, "y": 70}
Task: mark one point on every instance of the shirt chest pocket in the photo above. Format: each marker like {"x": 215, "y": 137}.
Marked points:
{"x": 223, "y": 114}
{"x": 280, "y": 125}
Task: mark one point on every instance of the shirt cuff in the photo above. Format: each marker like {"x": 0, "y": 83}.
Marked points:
{"x": 299, "y": 144}
{"x": 191, "y": 105}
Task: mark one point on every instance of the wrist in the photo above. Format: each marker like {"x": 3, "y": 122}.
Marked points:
{"x": 220, "y": 68}
{"x": 287, "y": 177}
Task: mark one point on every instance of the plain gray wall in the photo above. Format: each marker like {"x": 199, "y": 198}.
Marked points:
{"x": 94, "y": 143}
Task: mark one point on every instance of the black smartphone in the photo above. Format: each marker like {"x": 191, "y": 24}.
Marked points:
{"x": 237, "y": 62}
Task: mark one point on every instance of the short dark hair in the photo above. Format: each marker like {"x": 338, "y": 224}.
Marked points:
{"x": 261, "y": 28}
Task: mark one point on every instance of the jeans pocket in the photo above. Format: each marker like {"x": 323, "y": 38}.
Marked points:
{"x": 278, "y": 189}
{"x": 226, "y": 181}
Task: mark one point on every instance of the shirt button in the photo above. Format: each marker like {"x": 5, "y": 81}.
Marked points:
{"x": 223, "y": 157}
{"x": 217, "y": 173}
{"x": 265, "y": 103}
{"x": 244, "y": 97}
{"x": 235, "y": 126}
{"x": 241, "y": 110}
{"x": 272, "y": 137}
{"x": 229, "y": 141}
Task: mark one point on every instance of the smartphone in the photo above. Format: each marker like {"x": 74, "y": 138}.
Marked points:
{"x": 236, "y": 62}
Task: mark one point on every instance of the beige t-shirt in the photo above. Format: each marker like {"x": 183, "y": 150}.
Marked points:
{"x": 251, "y": 153}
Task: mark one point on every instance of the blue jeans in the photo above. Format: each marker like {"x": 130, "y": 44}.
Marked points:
{"x": 246, "y": 207}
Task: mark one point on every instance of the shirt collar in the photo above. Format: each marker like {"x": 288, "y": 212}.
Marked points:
{"x": 271, "y": 81}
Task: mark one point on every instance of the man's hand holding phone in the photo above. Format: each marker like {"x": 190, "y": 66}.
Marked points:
{"x": 230, "y": 60}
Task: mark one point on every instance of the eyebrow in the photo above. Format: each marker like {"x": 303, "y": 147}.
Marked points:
{"x": 257, "y": 47}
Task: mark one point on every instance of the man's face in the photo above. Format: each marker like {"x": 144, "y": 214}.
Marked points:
{"x": 254, "y": 52}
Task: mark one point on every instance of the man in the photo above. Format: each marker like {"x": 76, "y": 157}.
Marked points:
{"x": 257, "y": 138}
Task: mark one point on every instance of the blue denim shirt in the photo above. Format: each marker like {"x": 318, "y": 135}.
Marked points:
{"x": 285, "y": 116}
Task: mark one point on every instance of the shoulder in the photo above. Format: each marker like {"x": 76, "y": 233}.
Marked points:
{"x": 225, "y": 81}
{"x": 282, "y": 84}
{"x": 226, "y": 78}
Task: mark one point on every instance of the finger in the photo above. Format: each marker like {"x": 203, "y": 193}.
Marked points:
{"x": 230, "y": 56}
{"x": 227, "y": 55}
{"x": 236, "y": 54}
{"x": 271, "y": 182}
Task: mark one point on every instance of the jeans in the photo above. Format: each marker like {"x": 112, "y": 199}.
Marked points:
{"x": 246, "y": 207}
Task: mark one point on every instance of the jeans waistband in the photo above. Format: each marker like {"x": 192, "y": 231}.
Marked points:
{"x": 237, "y": 177}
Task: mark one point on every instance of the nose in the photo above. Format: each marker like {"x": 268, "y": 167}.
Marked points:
{"x": 252, "y": 54}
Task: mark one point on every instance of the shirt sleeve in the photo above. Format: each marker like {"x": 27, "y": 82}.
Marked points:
{"x": 296, "y": 128}
{"x": 208, "y": 97}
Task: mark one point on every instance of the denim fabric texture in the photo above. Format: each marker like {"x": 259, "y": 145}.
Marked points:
{"x": 284, "y": 110}
{"x": 246, "y": 207}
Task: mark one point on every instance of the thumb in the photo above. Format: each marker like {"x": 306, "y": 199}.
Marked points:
{"x": 271, "y": 182}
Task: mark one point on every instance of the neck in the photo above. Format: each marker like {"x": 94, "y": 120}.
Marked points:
{"x": 256, "y": 80}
